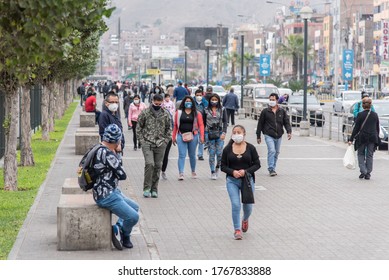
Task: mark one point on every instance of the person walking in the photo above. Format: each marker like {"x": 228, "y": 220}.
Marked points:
{"x": 168, "y": 104}
{"x": 208, "y": 93}
{"x": 366, "y": 135}
{"x": 179, "y": 92}
{"x": 271, "y": 123}
{"x": 143, "y": 90}
{"x": 359, "y": 108}
{"x": 188, "y": 131}
{"x": 215, "y": 120}
{"x": 110, "y": 115}
{"x": 106, "y": 193}
{"x": 81, "y": 91}
{"x": 239, "y": 157}
{"x": 134, "y": 111}
{"x": 201, "y": 104}
{"x": 231, "y": 103}
{"x": 154, "y": 132}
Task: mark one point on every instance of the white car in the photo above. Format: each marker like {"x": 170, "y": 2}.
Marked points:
{"x": 345, "y": 99}
{"x": 219, "y": 90}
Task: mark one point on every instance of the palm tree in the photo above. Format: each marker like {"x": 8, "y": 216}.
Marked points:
{"x": 233, "y": 59}
{"x": 248, "y": 58}
{"x": 293, "y": 49}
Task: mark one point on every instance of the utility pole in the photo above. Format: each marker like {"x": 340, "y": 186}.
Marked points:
{"x": 118, "y": 49}
{"x": 336, "y": 52}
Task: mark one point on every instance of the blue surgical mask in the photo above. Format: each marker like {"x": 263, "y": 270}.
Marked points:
{"x": 188, "y": 105}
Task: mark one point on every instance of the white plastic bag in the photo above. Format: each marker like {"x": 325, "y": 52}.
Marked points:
{"x": 349, "y": 160}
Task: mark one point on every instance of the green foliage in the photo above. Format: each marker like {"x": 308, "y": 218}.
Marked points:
{"x": 14, "y": 206}
{"x": 275, "y": 81}
{"x": 295, "y": 85}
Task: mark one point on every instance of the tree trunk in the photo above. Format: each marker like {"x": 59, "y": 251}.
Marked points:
{"x": 11, "y": 133}
{"x": 26, "y": 155}
{"x": 52, "y": 107}
{"x": 45, "y": 114}
{"x": 294, "y": 66}
{"x": 233, "y": 71}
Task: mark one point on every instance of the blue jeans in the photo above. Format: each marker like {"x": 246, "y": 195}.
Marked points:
{"x": 273, "y": 150}
{"x": 191, "y": 148}
{"x": 123, "y": 207}
{"x": 233, "y": 187}
{"x": 215, "y": 150}
{"x": 200, "y": 150}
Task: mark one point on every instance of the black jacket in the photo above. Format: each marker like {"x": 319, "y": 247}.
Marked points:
{"x": 106, "y": 118}
{"x": 370, "y": 131}
{"x": 273, "y": 124}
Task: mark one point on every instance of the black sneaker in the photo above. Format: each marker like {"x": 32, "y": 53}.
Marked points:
{"x": 116, "y": 237}
{"x": 201, "y": 158}
{"x": 367, "y": 176}
{"x": 127, "y": 242}
{"x": 272, "y": 173}
{"x": 362, "y": 176}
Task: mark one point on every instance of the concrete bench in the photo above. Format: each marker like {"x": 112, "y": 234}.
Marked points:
{"x": 87, "y": 119}
{"x": 70, "y": 186}
{"x": 82, "y": 225}
{"x": 85, "y": 138}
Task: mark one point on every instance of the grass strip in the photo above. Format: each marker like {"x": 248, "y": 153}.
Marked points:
{"x": 14, "y": 206}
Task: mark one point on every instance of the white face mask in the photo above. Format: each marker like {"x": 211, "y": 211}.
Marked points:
{"x": 136, "y": 101}
{"x": 272, "y": 103}
{"x": 157, "y": 90}
{"x": 199, "y": 98}
{"x": 113, "y": 107}
{"x": 237, "y": 138}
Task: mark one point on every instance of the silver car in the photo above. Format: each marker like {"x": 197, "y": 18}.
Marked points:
{"x": 345, "y": 99}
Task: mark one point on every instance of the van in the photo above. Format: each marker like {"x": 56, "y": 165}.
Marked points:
{"x": 256, "y": 97}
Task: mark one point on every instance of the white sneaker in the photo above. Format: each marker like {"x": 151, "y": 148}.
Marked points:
{"x": 181, "y": 177}
{"x": 164, "y": 175}
{"x": 217, "y": 172}
{"x": 213, "y": 176}
{"x": 194, "y": 175}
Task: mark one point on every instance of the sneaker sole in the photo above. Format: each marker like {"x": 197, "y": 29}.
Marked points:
{"x": 116, "y": 243}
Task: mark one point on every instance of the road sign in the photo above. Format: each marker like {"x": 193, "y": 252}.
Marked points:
{"x": 153, "y": 71}
{"x": 264, "y": 65}
{"x": 348, "y": 65}
{"x": 179, "y": 60}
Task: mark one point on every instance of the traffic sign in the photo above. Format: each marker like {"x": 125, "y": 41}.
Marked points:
{"x": 179, "y": 60}
{"x": 264, "y": 65}
{"x": 153, "y": 71}
{"x": 348, "y": 65}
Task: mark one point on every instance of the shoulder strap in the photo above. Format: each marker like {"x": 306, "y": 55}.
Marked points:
{"x": 91, "y": 155}
{"x": 363, "y": 124}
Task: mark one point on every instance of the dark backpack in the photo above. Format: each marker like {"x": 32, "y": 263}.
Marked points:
{"x": 79, "y": 90}
{"x": 86, "y": 173}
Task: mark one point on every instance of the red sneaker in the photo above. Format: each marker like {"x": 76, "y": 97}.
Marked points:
{"x": 245, "y": 225}
{"x": 238, "y": 234}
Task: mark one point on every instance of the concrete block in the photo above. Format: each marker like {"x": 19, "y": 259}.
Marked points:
{"x": 85, "y": 139}
{"x": 304, "y": 128}
{"x": 82, "y": 225}
{"x": 70, "y": 186}
{"x": 87, "y": 119}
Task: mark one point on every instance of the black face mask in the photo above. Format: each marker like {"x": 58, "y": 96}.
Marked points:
{"x": 156, "y": 108}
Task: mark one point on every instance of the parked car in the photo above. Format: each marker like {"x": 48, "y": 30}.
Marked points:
{"x": 368, "y": 89}
{"x": 382, "y": 109}
{"x": 282, "y": 91}
{"x": 314, "y": 110}
{"x": 219, "y": 90}
{"x": 385, "y": 92}
{"x": 345, "y": 99}
{"x": 256, "y": 97}
{"x": 325, "y": 87}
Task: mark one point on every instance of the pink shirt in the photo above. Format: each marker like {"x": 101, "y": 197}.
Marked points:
{"x": 169, "y": 106}
{"x": 134, "y": 111}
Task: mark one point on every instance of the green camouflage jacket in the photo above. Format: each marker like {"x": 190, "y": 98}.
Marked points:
{"x": 154, "y": 127}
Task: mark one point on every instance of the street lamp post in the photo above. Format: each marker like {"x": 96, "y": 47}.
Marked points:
{"x": 208, "y": 44}
{"x": 241, "y": 68}
{"x": 186, "y": 49}
{"x": 306, "y": 14}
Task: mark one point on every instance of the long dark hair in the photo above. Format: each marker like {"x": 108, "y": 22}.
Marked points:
{"x": 182, "y": 105}
{"x": 219, "y": 103}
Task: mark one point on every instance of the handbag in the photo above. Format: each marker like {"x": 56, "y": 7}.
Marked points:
{"x": 187, "y": 136}
{"x": 349, "y": 158}
{"x": 213, "y": 134}
{"x": 246, "y": 189}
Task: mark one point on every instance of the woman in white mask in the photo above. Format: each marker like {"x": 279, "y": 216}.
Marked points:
{"x": 239, "y": 158}
{"x": 135, "y": 109}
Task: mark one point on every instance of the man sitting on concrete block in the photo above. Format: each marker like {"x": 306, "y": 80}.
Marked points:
{"x": 106, "y": 192}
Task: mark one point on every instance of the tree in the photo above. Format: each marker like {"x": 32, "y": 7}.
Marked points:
{"x": 233, "y": 59}
{"x": 35, "y": 33}
{"x": 294, "y": 50}
{"x": 248, "y": 59}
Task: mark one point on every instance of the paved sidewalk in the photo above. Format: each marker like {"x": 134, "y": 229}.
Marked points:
{"x": 314, "y": 208}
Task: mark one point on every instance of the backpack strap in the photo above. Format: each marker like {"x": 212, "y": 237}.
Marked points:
{"x": 91, "y": 155}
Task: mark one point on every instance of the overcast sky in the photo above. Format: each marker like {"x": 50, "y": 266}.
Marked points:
{"x": 176, "y": 14}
